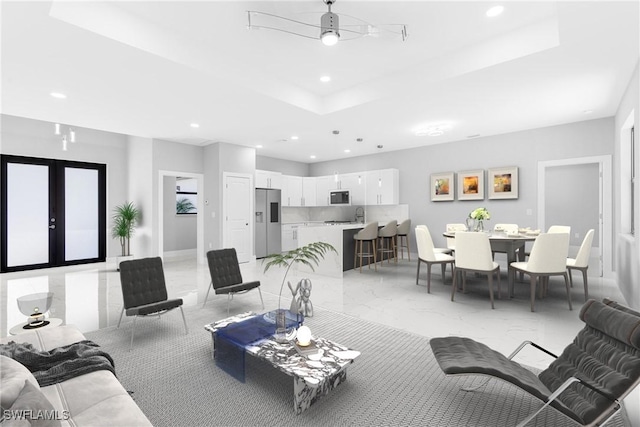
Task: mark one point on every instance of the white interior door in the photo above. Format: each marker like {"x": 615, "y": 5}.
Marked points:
{"x": 238, "y": 209}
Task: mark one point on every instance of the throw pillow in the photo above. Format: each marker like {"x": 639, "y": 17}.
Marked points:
{"x": 33, "y": 407}
{"x": 12, "y": 377}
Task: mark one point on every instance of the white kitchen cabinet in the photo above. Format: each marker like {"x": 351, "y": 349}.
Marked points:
{"x": 382, "y": 187}
{"x": 323, "y": 185}
{"x": 356, "y": 184}
{"x": 309, "y": 191}
{"x": 268, "y": 179}
{"x": 289, "y": 237}
{"x": 291, "y": 190}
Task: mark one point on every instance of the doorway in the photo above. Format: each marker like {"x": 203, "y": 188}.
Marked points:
{"x": 53, "y": 213}
{"x": 572, "y": 192}
{"x": 170, "y": 194}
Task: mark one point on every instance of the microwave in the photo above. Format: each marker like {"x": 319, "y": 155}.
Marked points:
{"x": 339, "y": 197}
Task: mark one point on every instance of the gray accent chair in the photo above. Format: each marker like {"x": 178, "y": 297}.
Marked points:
{"x": 226, "y": 277}
{"x": 587, "y": 382}
{"x": 144, "y": 291}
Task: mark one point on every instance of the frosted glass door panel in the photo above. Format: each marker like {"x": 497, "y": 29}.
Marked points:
{"x": 27, "y": 214}
{"x": 81, "y": 213}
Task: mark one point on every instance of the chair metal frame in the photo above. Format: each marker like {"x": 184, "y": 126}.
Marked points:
{"x": 230, "y": 293}
{"x": 158, "y": 313}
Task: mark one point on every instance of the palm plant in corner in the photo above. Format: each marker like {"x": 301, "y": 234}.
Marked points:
{"x": 125, "y": 218}
{"x": 309, "y": 255}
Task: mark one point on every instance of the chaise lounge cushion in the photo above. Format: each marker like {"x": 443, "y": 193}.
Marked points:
{"x": 605, "y": 354}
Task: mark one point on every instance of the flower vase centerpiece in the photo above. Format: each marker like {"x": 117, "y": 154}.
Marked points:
{"x": 308, "y": 255}
{"x": 479, "y": 215}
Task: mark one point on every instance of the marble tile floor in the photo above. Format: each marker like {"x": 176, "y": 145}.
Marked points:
{"x": 89, "y": 296}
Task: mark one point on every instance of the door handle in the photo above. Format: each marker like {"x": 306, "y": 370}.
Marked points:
{"x": 52, "y": 226}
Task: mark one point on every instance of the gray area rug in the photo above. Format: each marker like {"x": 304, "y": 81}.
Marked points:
{"x": 395, "y": 382}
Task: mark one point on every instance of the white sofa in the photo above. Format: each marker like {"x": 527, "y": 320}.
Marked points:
{"x": 94, "y": 399}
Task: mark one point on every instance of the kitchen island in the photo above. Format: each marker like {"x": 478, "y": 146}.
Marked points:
{"x": 340, "y": 236}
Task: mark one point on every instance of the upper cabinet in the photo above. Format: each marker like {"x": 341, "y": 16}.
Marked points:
{"x": 383, "y": 187}
{"x": 291, "y": 190}
{"x": 323, "y": 185}
{"x": 356, "y": 184}
{"x": 268, "y": 179}
{"x": 309, "y": 191}
{"x": 379, "y": 187}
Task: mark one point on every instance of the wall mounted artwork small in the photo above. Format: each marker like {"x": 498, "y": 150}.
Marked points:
{"x": 503, "y": 183}
{"x": 442, "y": 186}
{"x": 471, "y": 185}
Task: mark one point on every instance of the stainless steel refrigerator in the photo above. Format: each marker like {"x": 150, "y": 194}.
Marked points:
{"x": 268, "y": 226}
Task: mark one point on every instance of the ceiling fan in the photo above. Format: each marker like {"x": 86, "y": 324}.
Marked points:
{"x": 329, "y": 31}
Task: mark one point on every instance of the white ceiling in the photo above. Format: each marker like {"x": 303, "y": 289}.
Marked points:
{"x": 151, "y": 68}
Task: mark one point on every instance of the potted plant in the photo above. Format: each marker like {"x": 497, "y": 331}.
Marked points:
{"x": 308, "y": 255}
{"x": 125, "y": 219}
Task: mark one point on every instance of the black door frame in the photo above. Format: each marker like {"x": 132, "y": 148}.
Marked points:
{"x": 56, "y": 210}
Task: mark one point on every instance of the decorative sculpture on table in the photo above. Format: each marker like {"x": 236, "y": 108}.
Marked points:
{"x": 308, "y": 255}
{"x": 301, "y": 302}
{"x": 35, "y": 306}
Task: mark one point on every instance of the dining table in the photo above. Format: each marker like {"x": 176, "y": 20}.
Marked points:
{"x": 511, "y": 244}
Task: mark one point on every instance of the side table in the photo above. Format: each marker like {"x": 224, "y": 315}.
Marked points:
{"x": 19, "y": 328}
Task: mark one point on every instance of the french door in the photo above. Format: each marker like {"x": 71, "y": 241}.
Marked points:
{"x": 53, "y": 213}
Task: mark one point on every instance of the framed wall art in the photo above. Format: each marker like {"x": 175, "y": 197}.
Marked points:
{"x": 471, "y": 185}
{"x": 503, "y": 183}
{"x": 442, "y": 187}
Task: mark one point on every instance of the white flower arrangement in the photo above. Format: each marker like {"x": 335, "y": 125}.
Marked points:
{"x": 480, "y": 214}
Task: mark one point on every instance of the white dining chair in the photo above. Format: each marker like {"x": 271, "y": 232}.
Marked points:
{"x": 552, "y": 229}
{"x": 581, "y": 261}
{"x": 453, "y": 228}
{"x": 473, "y": 253}
{"x": 437, "y": 250}
{"x": 427, "y": 255}
{"x": 548, "y": 258}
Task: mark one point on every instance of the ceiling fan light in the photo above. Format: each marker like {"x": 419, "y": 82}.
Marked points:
{"x": 329, "y": 24}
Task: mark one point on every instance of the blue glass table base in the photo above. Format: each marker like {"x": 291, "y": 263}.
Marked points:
{"x": 312, "y": 378}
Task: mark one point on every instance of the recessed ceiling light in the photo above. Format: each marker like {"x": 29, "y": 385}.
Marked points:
{"x": 473, "y": 136}
{"x": 194, "y": 125}
{"x": 347, "y": 151}
{"x": 312, "y": 156}
{"x": 325, "y": 79}
{"x": 495, "y": 11}
{"x": 294, "y": 137}
{"x": 258, "y": 146}
{"x": 588, "y": 111}
{"x": 58, "y": 95}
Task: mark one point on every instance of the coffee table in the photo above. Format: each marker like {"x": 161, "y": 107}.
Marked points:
{"x": 312, "y": 379}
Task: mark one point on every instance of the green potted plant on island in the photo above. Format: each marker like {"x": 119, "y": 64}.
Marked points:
{"x": 125, "y": 219}
{"x": 309, "y": 255}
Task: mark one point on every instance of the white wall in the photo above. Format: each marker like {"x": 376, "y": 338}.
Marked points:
{"x": 628, "y": 247}
{"x": 285, "y": 166}
{"x": 140, "y": 152}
